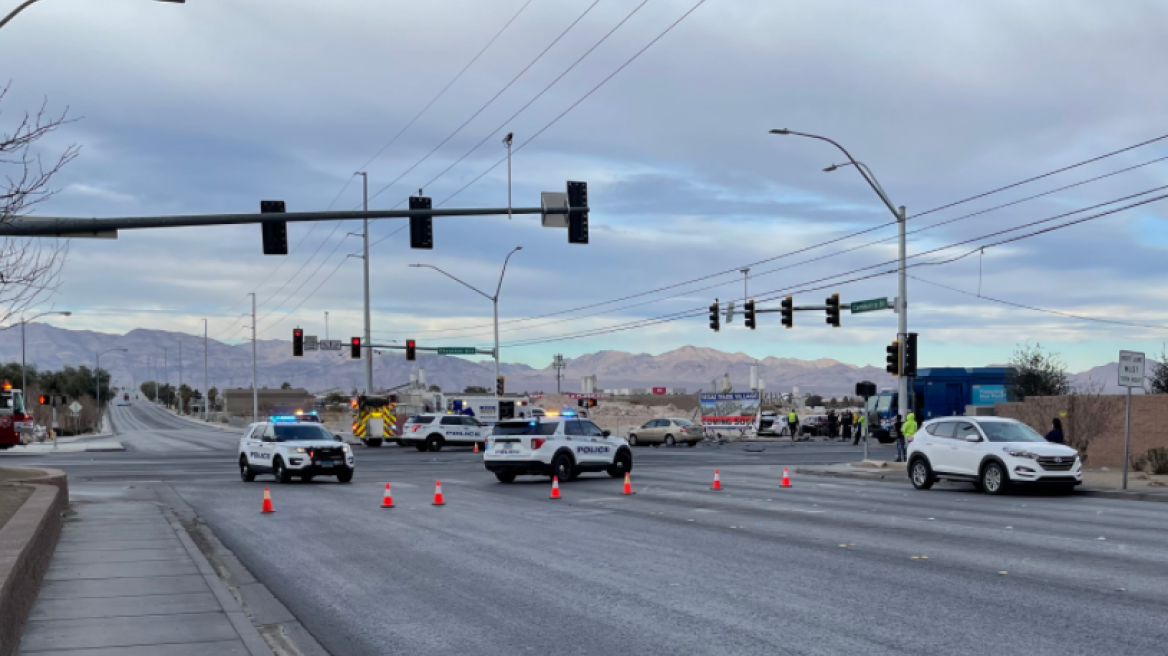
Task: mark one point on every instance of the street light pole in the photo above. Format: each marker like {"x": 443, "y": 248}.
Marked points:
{"x": 255, "y": 391}
{"x": 507, "y": 142}
{"x": 365, "y": 264}
{"x": 494, "y": 299}
{"x": 904, "y": 400}
{"x": 206, "y": 379}
{"x": 326, "y": 334}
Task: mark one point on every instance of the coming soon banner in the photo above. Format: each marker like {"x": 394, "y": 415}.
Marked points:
{"x": 730, "y": 411}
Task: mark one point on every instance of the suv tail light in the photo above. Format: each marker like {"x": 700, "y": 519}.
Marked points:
{"x": 537, "y": 442}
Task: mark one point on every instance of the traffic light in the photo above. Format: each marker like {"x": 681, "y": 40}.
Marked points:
{"x": 789, "y": 312}
{"x": 297, "y": 342}
{"x": 586, "y": 403}
{"x": 715, "y": 319}
{"x": 500, "y": 385}
{"x": 421, "y": 227}
{"x": 892, "y": 360}
{"x": 578, "y": 219}
{"x": 44, "y": 400}
{"x": 275, "y": 232}
{"x": 355, "y": 348}
{"x": 749, "y": 314}
{"x": 411, "y": 349}
{"x": 910, "y": 354}
{"x": 833, "y": 308}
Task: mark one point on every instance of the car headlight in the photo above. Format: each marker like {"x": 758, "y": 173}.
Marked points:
{"x": 300, "y": 449}
{"x": 345, "y": 448}
{"x": 1020, "y": 453}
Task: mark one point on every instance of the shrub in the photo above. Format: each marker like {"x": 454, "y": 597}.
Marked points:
{"x": 1157, "y": 461}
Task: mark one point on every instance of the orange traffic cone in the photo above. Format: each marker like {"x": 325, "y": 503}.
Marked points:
{"x": 267, "y": 502}
{"x": 717, "y": 482}
{"x": 628, "y": 485}
{"x": 476, "y": 447}
{"x": 387, "y": 500}
{"x": 555, "y": 487}
{"x": 438, "y": 500}
{"x": 786, "y": 479}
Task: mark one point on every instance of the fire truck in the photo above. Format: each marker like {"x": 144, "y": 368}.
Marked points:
{"x": 374, "y": 418}
{"x": 14, "y": 420}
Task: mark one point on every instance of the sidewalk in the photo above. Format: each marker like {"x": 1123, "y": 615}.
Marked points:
{"x": 126, "y": 579}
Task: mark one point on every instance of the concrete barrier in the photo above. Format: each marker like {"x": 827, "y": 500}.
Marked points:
{"x": 27, "y": 543}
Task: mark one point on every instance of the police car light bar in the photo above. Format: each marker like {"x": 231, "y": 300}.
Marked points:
{"x": 283, "y": 419}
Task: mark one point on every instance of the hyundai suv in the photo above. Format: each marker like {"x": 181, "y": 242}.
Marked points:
{"x": 993, "y": 453}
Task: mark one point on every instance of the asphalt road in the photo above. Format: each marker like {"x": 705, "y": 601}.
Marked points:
{"x": 673, "y": 569}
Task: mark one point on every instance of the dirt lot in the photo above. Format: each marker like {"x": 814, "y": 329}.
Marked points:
{"x": 12, "y": 497}
{"x": 617, "y": 416}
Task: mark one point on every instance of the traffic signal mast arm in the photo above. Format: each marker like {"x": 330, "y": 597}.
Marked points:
{"x": 435, "y": 349}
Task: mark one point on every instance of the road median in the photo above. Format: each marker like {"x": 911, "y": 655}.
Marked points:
{"x": 27, "y": 543}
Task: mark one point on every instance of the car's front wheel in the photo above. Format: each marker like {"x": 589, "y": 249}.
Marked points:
{"x": 994, "y": 479}
{"x": 633, "y": 439}
{"x": 245, "y": 472}
{"x": 921, "y": 474}
{"x": 504, "y": 477}
{"x": 622, "y": 464}
{"x": 281, "y": 472}
{"x": 345, "y": 476}
{"x": 669, "y": 441}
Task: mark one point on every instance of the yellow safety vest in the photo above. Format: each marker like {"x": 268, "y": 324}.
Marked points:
{"x": 792, "y": 418}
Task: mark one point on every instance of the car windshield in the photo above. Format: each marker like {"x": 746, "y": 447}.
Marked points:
{"x": 296, "y": 432}
{"x": 525, "y": 428}
{"x": 1002, "y": 431}
{"x": 884, "y": 403}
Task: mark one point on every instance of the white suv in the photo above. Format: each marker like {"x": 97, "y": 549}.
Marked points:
{"x": 291, "y": 448}
{"x": 431, "y": 431}
{"x": 990, "y": 452}
{"x": 562, "y": 446}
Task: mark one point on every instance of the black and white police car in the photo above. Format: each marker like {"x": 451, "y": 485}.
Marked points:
{"x": 563, "y": 445}
{"x": 431, "y": 431}
{"x": 285, "y": 446}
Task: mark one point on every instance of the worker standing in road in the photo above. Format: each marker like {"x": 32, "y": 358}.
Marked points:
{"x": 898, "y": 429}
{"x": 860, "y": 420}
{"x": 907, "y": 431}
{"x": 793, "y": 424}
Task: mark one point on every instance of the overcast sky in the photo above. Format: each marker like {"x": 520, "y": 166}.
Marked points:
{"x": 214, "y": 105}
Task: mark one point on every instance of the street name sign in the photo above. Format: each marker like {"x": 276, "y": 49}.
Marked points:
{"x": 456, "y": 350}
{"x": 1131, "y": 369}
{"x": 870, "y": 305}
{"x": 329, "y": 344}
{"x": 310, "y": 343}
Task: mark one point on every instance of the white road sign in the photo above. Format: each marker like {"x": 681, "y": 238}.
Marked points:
{"x": 330, "y": 344}
{"x": 1131, "y": 369}
{"x": 310, "y": 342}
{"x": 75, "y": 407}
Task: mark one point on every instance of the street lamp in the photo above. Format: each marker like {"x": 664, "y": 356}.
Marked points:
{"x": 494, "y": 299}
{"x": 28, "y": 3}
{"x": 902, "y": 282}
{"x": 97, "y": 376}
{"x": 23, "y": 375}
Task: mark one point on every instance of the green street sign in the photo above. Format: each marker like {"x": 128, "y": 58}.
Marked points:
{"x": 869, "y": 305}
{"x": 456, "y": 350}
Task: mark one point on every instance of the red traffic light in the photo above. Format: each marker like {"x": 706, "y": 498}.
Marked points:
{"x": 43, "y": 399}
{"x": 411, "y": 349}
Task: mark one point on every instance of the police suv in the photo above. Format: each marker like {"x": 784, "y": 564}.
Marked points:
{"x": 286, "y": 447}
{"x": 563, "y": 446}
{"x": 431, "y": 431}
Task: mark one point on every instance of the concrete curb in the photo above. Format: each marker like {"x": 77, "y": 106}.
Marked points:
{"x": 873, "y": 475}
{"x": 1127, "y": 495}
{"x": 27, "y": 544}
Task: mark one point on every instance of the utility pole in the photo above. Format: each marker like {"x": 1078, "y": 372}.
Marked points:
{"x": 326, "y": 335}
{"x": 904, "y": 388}
{"x": 745, "y": 284}
{"x": 507, "y": 142}
{"x": 206, "y": 380}
{"x": 165, "y": 366}
{"x": 255, "y": 392}
{"x": 558, "y": 365}
{"x": 180, "y": 404}
{"x": 365, "y": 261}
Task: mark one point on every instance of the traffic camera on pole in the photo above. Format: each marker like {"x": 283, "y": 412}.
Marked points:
{"x": 893, "y": 358}
{"x": 749, "y": 314}
{"x": 910, "y": 355}
{"x": 355, "y": 348}
{"x": 411, "y": 350}
{"x": 788, "y": 312}
{"x": 297, "y": 343}
{"x": 715, "y": 319}
{"x": 833, "y": 311}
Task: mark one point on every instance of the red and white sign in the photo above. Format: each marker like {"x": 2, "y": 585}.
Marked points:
{"x": 659, "y": 390}
{"x": 590, "y": 395}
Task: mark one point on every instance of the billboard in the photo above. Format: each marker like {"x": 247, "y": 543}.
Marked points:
{"x": 730, "y": 410}
{"x": 988, "y": 394}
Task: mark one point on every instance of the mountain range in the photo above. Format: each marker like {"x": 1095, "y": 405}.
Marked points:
{"x": 155, "y": 354}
